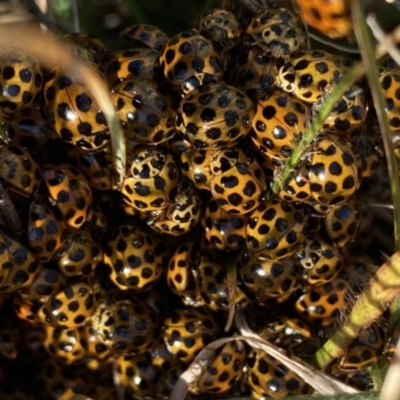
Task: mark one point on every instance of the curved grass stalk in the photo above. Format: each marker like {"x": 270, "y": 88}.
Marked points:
{"x": 48, "y": 51}
{"x": 383, "y": 288}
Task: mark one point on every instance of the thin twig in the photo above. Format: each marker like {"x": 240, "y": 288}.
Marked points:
{"x": 383, "y": 39}
{"x": 75, "y": 16}
{"x": 331, "y": 43}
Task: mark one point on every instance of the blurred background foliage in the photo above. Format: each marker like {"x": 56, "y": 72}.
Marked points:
{"x": 106, "y": 18}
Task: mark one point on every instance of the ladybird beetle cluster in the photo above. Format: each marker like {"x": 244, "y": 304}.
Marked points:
{"x": 107, "y": 290}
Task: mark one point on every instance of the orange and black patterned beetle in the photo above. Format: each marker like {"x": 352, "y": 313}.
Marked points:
{"x": 144, "y": 35}
{"x": 279, "y": 32}
{"x": 70, "y": 192}
{"x": 21, "y": 80}
{"x": 74, "y": 113}
{"x": 146, "y": 115}
{"x": 188, "y": 58}
{"x": 215, "y": 116}
{"x": 134, "y": 257}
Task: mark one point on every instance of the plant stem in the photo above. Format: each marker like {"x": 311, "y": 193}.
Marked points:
{"x": 376, "y": 376}
{"x": 383, "y": 288}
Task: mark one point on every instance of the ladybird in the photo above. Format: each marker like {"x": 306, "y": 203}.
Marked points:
{"x": 390, "y": 84}
{"x": 348, "y": 116}
{"x": 185, "y": 56}
{"x": 195, "y": 165}
{"x": 19, "y": 169}
{"x": 153, "y": 179}
{"x": 311, "y": 75}
{"x": 79, "y": 256}
{"x": 322, "y": 260}
{"x": 223, "y": 369}
{"x": 279, "y": 124}
{"x": 96, "y": 352}
{"x": 239, "y": 183}
{"x": 332, "y": 17}
{"x": 137, "y": 376}
{"x": 73, "y": 112}
{"x": 181, "y": 215}
{"x": 55, "y": 380}
{"x": 46, "y": 234}
{"x": 365, "y": 349}
{"x": 182, "y": 272}
{"x": 214, "y": 285}
{"x": 144, "y": 35}
{"x": 131, "y": 64}
{"x": 87, "y": 46}
{"x": 325, "y": 303}
{"x": 220, "y": 26}
{"x": 365, "y": 230}
{"x": 289, "y": 326}
{"x": 187, "y": 332}
{"x": 29, "y": 128}
{"x": 297, "y": 188}
{"x": 335, "y": 171}
{"x": 46, "y": 283}
{"x": 170, "y": 375}
{"x": 126, "y": 326}
{"x": 275, "y": 229}
{"x": 95, "y": 166}
{"x": 253, "y": 71}
{"x": 24, "y": 310}
{"x": 215, "y": 116}
{"x": 71, "y": 307}
{"x": 21, "y": 80}
{"x": 269, "y": 279}
{"x": 63, "y": 344}
{"x": 223, "y": 231}
{"x": 146, "y": 115}
{"x": 342, "y": 222}
{"x": 269, "y": 377}
{"x": 370, "y": 148}
{"x": 134, "y": 257}
{"x": 19, "y": 266}
{"x": 96, "y": 221}
{"x": 69, "y": 191}
{"x": 278, "y": 32}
